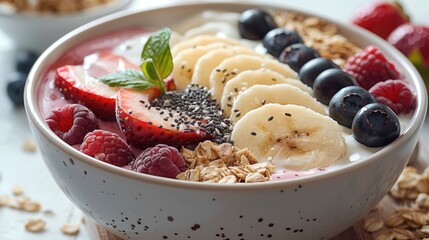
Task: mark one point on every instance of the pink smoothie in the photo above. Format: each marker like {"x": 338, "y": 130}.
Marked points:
{"x": 49, "y": 97}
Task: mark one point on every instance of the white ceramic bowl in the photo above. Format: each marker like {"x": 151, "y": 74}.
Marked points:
{"x": 37, "y": 31}
{"x": 138, "y": 206}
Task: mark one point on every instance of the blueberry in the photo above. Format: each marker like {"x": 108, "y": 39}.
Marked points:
{"x": 276, "y": 40}
{"x": 254, "y": 23}
{"x": 330, "y": 82}
{"x": 25, "y": 60}
{"x": 15, "y": 87}
{"x": 347, "y": 102}
{"x": 296, "y": 55}
{"x": 309, "y": 71}
{"x": 375, "y": 125}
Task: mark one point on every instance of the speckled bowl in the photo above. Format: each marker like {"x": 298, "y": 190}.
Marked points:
{"x": 137, "y": 206}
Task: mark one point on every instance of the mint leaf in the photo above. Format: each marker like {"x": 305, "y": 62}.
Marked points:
{"x": 149, "y": 70}
{"x": 128, "y": 78}
{"x": 157, "y": 64}
{"x": 157, "y": 48}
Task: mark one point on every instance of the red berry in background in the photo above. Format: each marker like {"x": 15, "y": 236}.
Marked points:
{"x": 161, "y": 160}
{"x": 370, "y": 67}
{"x": 396, "y": 95}
{"x": 409, "y": 37}
{"x": 107, "y": 147}
{"x": 380, "y": 18}
{"x": 72, "y": 122}
{"x": 413, "y": 41}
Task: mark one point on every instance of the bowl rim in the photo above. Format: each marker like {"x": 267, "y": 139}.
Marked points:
{"x": 30, "y": 100}
{"x": 99, "y": 10}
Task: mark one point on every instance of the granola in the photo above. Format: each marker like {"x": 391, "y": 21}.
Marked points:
{"x": 411, "y": 219}
{"x": 223, "y": 163}
{"x": 318, "y": 34}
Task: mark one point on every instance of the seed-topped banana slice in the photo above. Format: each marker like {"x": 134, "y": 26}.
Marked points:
{"x": 207, "y": 63}
{"x": 201, "y": 40}
{"x": 248, "y": 78}
{"x": 259, "y": 95}
{"x": 293, "y": 137}
{"x": 232, "y": 66}
{"x": 184, "y": 62}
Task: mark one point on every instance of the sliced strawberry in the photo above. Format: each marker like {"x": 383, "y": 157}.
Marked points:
{"x": 146, "y": 126}
{"x": 170, "y": 85}
{"x": 79, "y": 83}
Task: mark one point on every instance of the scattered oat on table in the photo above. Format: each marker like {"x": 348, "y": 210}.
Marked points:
{"x": 35, "y": 225}
{"x": 28, "y": 145}
{"x": 411, "y": 218}
{"x": 4, "y": 199}
{"x": 17, "y": 190}
{"x": 19, "y": 201}
{"x": 70, "y": 229}
{"x": 48, "y": 213}
{"x": 373, "y": 225}
{"x": 24, "y": 203}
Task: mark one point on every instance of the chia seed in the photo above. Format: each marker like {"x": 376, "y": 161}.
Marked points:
{"x": 195, "y": 107}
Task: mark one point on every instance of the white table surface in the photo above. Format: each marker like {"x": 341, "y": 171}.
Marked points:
{"x": 27, "y": 169}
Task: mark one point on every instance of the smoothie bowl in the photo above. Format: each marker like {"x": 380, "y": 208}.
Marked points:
{"x": 188, "y": 127}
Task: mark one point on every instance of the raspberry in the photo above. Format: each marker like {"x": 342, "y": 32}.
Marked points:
{"x": 107, "y": 147}
{"x": 396, "y": 95}
{"x": 161, "y": 160}
{"x": 370, "y": 67}
{"x": 72, "y": 122}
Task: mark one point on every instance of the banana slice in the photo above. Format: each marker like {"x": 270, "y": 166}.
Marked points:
{"x": 207, "y": 63}
{"x": 184, "y": 62}
{"x": 259, "y": 95}
{"x": 232, "y": 66}
{"x": 201, "y": 40}
{"x": 293, "y": 137}
{"x": 248, "y": 78}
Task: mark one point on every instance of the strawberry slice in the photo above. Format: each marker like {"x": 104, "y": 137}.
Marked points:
{"x": 79, "y": 83}
{"x": 146, "y": 126}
